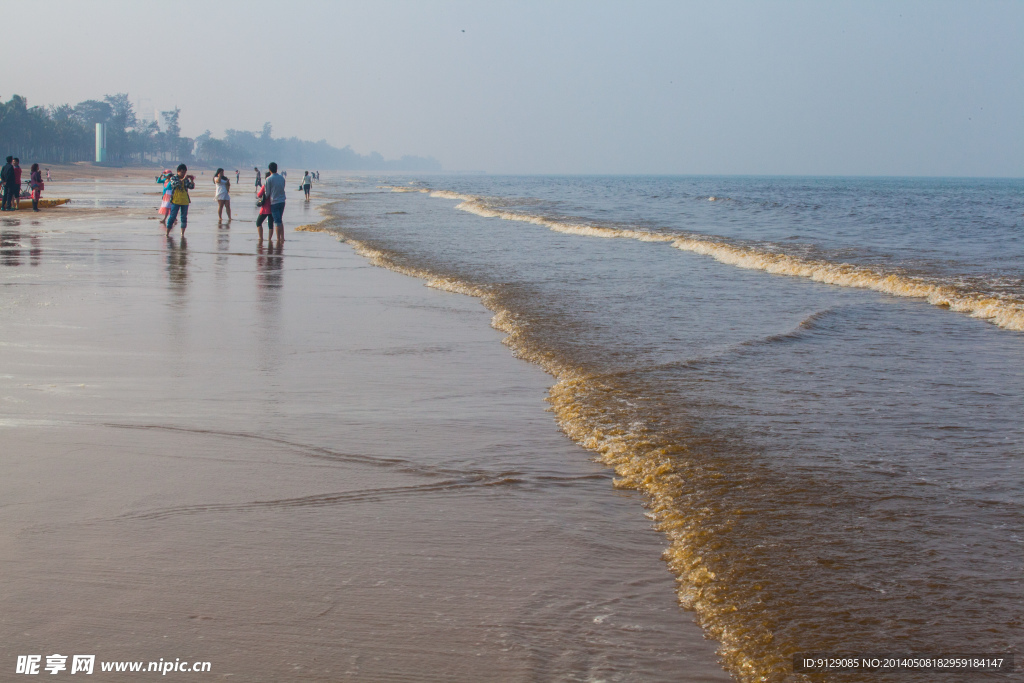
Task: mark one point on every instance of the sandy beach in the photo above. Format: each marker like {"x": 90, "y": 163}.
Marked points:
{"x": 295, "y": 466}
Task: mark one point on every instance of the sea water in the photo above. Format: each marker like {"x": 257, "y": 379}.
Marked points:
{"x": 817, "y": 383}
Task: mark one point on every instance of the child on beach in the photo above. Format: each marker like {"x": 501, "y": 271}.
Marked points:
{"x": 259, "y": 178}
{"x": 165, "y": 203}
{"x": 180, "y": 185}
{"x": 264, "y": 205}
{"x": 223, "y": 198}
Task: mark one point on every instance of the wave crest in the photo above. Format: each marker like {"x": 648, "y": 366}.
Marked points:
{"x": 1004, "y": 311}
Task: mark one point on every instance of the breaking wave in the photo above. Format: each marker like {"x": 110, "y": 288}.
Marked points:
{"x": 1003, "y": 310}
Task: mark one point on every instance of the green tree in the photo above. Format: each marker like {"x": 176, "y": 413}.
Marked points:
{"x": 91, "y": 112}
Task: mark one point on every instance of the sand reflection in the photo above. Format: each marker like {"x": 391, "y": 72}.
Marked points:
{"x": 177, "y": 269}
{"x": 223, "y": 247}
{"x": 12, "y": 248}
{"x": 269, "y": 276}
{"x": 269, "y": 268}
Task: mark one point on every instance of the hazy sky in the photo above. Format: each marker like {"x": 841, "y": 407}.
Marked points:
{"x": 865, "y": 88}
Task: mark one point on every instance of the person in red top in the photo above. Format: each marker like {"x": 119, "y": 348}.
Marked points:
{"x": 264, "y": 210}
{"x": 17, "y": 182}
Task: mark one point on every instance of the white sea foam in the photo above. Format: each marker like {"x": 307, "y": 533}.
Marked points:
{"x": 1004, "y": 311}
{"x": 399, "y": 188}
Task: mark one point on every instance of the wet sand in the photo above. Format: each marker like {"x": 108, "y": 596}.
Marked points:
{"x": 297, "y": 466}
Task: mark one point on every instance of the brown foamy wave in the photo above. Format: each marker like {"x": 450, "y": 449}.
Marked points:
{"x": 683, "y": 501}
{"x": 383, "y": 259}
{"x": 1002, "y": 310}
{"x": 682, "y": 490}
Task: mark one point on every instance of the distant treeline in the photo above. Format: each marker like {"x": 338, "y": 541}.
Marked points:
{"x": 64, "y": 134}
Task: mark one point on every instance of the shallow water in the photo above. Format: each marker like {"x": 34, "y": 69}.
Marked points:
{"x": 829, "y": 435}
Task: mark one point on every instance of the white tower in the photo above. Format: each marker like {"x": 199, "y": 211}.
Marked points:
{"x": 101, "y": 143}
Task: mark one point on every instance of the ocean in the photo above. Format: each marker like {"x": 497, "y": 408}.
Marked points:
{"x": 816, "y": 383}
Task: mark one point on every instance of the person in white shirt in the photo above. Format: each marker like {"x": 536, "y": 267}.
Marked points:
{"x": 223, "y": 198}
{"x": 307, "y": 182}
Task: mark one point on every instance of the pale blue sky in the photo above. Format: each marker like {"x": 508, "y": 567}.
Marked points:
{"x": 864, "y": 88}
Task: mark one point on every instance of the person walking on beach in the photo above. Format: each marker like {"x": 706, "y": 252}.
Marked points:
{"x": 223, "y": 198}
{"x": 9, "y": 188}
{"x": 307, "y": 183}
{"x": 259, "y": 178}
{"x": 47, "y": 174}
{"x": 264, "y": 205}
{"x": 180, "y": 185}
{"x": 275, "y": 187}
{"x": 238, "y": 176}
{"x": 36, "y": 184}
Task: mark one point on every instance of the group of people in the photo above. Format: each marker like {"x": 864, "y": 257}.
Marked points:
{"x": 10, "y": 180}
{"x": 307, "y": 178}
{"x": 270, "y": 197}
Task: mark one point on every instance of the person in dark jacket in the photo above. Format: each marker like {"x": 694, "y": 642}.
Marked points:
{"x": 36, "y": 184}
{"x": 17, "y": 183}
{"x": 9, "y": 188}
